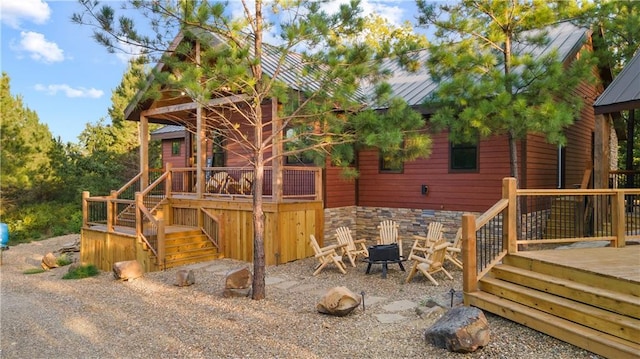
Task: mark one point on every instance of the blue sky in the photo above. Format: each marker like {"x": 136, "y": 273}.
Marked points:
{"x": 63, "y": 75}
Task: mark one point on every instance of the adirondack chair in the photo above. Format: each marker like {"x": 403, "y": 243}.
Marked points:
{"x": 326, "y": 255}
{"x": 455, "y": 249}
{"x": 434, "y": 234}
{"x": 352, "y": 248}
{"x": 389, "y": 234}
{"x": 218, "y": 183}
{"x": 431, "y": 262}
{"x": 245, "y": 184}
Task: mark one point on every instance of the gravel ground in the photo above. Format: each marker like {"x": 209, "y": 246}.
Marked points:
{"x": 44, "y": 316}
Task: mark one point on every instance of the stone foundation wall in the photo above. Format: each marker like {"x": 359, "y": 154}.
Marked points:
{"x": 364, "y": 221}
{"x": 338, "y": 217}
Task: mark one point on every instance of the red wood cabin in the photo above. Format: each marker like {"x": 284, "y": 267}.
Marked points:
{"x": 451, "y": 181}
{"x": 170, "y": 218}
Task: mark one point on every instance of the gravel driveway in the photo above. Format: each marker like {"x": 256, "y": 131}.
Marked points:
{"x": 44, "y": 316}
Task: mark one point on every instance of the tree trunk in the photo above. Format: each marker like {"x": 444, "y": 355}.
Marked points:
{"x": 513, "y": 157}
{"x": 258, "y": 214}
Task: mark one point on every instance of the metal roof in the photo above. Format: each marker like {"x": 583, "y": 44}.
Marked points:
{"x": 624, "y": 91}
{"x": 415, "y": 87}
{"x": 168, "y": 129}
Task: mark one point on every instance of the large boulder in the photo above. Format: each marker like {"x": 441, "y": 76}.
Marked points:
{"x": 237, "y": 283}
{"x": 127, "y": 270}
{"x": 461, "y": 330}
{"x": 338, "y": 301}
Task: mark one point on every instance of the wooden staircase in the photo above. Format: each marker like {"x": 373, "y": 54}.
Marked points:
{"x": 187, "y": 245}
{"x": 603, "y": 317}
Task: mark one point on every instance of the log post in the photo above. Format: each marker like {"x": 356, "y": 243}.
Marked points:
{"x": 510, "y": 220}
{"x": 161, "y": 243}
{"x": 85, "y": 209}
{"x": 618, "y": 219}
{"x": 470, "y": 272}
{"x": 111, "y": 212}
{"x": 139, "y": 225}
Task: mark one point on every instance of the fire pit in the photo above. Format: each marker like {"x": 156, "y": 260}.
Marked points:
{"x": 384, "y": 254}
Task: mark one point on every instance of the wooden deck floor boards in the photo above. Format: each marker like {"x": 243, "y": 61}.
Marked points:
{"x": 621, "y": 263}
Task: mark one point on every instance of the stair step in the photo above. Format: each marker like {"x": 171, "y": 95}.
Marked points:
{"x": 187, "y": 239}
{"x": 590, "y": 339}
{"x": 617, "y": 302}
{"x": 586, "y": 315}
{"x": 598, "y": 280}
{"x": 191, "y": 260}
{"x": 189, "y": 244}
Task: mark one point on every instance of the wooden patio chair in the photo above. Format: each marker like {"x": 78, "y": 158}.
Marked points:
{"x": 218, "y": 183}
{"x": 352, "y": 248}
{"x": 326, "y": 255}
{"x": 389, "y": 234}
{"x": 431, "y": 262}
{"x": 455, "y": 249}
{"x": 434, "y": 234}
{"x": 246, "y": 182}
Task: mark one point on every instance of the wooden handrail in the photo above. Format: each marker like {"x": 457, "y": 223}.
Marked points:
{"x": 127, "y": 185}
{"x": 218, "y": 220}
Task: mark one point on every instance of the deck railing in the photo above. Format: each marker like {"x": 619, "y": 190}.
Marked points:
{"x": 624, "y": 179}
{"x": 211, "y": 227}
{"x": 301, "y": 183}
{"x": 527, "y": 219}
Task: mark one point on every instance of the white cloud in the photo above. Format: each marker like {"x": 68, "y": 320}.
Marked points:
{"x": 128, "y": 52}
{"x": 13, "y": 12}
{"x": 39, "y": 48}
{"x": 70, "y": 91}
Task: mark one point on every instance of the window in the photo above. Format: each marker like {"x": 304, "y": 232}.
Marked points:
{"x": 218, "y": 149}
{"x": 299, "y": 158}
{"x": 464, "y": 157}
{"x": 390, "y": 165}
{"x": 175, "y": 147}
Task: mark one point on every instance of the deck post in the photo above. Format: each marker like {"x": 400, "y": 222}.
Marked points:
{"x": 85, "y": 209}
{"x": 111, "y": 210}
{"x": 510, "y": 219}
{"x": 470, "y": 272}
{"x": 139, "y": 224}
{"x": 143, "y": 129}
{"x": 618, "y": 219}
{"x": 161, "y": 244}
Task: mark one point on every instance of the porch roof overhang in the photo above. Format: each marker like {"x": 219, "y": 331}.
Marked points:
{"x": 624, "y": 91}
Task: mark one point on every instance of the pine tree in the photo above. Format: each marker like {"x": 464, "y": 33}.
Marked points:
{"x": 487, "y": 88}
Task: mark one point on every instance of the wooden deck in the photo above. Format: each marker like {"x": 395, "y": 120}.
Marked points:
{"x": 621, "y": 263}
{"x": 589, "y": 297}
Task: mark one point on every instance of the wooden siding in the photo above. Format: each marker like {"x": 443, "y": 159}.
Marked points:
{"x": 168, "y": 156}
{"x": 452, "y": 191}
{"x": 338, "y": 192}
{"x": 287, "y": 227}
{"x": 580, "y": 137}
{"x": 103, "y": 249}
{"x": 541, "y": 166}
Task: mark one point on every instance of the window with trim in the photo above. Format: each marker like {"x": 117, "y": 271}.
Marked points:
{"x": 463, "y": 157}
{"x": 175, "y": 147}
{"x": 217, "y": 149}
{"x": 390, "y": 165}
{"x": 298, "y": 158}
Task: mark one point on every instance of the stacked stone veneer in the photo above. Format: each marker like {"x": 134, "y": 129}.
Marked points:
{"x": 363, "y": 221}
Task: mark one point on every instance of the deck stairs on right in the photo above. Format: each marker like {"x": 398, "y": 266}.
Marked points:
{"x": 602, "y": 317}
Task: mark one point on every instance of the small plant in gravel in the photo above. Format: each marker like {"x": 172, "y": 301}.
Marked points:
{"x": 63, "y": 260}
{"x": 33, "y": 271}
{"x": 80, "y": 272}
